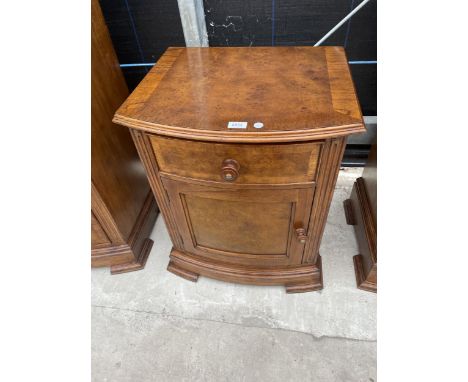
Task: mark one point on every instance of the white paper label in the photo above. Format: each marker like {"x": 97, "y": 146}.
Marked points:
{"x": 258, "y": 125}
{"x": 237, "y": 125}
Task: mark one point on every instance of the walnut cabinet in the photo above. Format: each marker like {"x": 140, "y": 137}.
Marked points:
{"x": 242, "y": 148}
{"x": 361, "y": 212}
{"x": 123, "y": 209}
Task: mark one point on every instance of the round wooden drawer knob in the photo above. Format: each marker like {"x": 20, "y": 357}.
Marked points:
{"x": 301, "y": 235}
{"x": 230, "y": 170}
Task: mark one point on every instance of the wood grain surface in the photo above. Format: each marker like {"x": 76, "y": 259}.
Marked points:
{"x": 361, "y": 212}
{"x": 119, "y": 185}
{"x": 269, "y": 163}
{"x": 297, "y": 93}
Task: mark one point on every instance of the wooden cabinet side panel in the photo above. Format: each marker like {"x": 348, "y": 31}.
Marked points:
{"x": 104, "y": 217}
{"x": 330, "y": 161}
{"x": 98, "y": 235}
{"x": 360, "y": 232}
{"x": 116, "y": 170}
{"x": 370, "y": 180}
{"x": 366, "y": 235}
{"x": 146, "y": 154}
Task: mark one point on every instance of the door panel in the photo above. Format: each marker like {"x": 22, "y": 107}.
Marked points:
{"x": 217, "y": 223}
{"x": 245, "y": 226}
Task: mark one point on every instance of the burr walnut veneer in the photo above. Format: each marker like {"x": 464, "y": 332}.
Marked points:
{"x": 242, "y": 147}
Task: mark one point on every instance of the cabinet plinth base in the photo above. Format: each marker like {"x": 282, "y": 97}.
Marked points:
{"x": 358, "y": 212}
{"x": 361, "y": 280}
{"x": 299, "y": 278}
{"x": 130, "y": 256}
{"x": 137, "y": 264}
{"x": 310, "y": 286}
{"x": 181, "y": 272}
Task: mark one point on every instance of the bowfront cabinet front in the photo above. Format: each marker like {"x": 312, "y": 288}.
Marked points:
{"x": 242, "y": 159}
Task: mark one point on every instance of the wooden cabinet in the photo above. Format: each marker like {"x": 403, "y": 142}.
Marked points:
{"x": 242, "y": 148}
{"x": 361, "y": 212}
{"x": 123, "y": 206}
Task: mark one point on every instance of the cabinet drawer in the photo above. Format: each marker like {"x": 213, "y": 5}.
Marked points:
{"x": 238, "y": 163}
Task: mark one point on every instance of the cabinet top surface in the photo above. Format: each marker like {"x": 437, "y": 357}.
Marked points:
{"x": 256, "y": 94}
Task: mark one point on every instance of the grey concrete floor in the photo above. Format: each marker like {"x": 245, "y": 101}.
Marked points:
{"x": 153, "y": 326}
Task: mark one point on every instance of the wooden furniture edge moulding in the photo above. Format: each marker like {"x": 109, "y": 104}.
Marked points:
{"x": 164, "y": 64}
{"x": 124, "y": 255}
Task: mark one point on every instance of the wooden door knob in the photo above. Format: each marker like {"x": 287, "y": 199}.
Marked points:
{"x": 301, "y": 235}
{"x": 230, "y": 170}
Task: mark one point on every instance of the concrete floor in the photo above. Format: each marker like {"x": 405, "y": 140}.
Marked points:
{"x": 153, "y": 326}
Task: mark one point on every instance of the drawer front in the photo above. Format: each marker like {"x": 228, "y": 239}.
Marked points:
{"x": 238, "y": 163}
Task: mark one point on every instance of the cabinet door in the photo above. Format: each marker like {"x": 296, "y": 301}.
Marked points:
{"x": 254, "y": 226}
